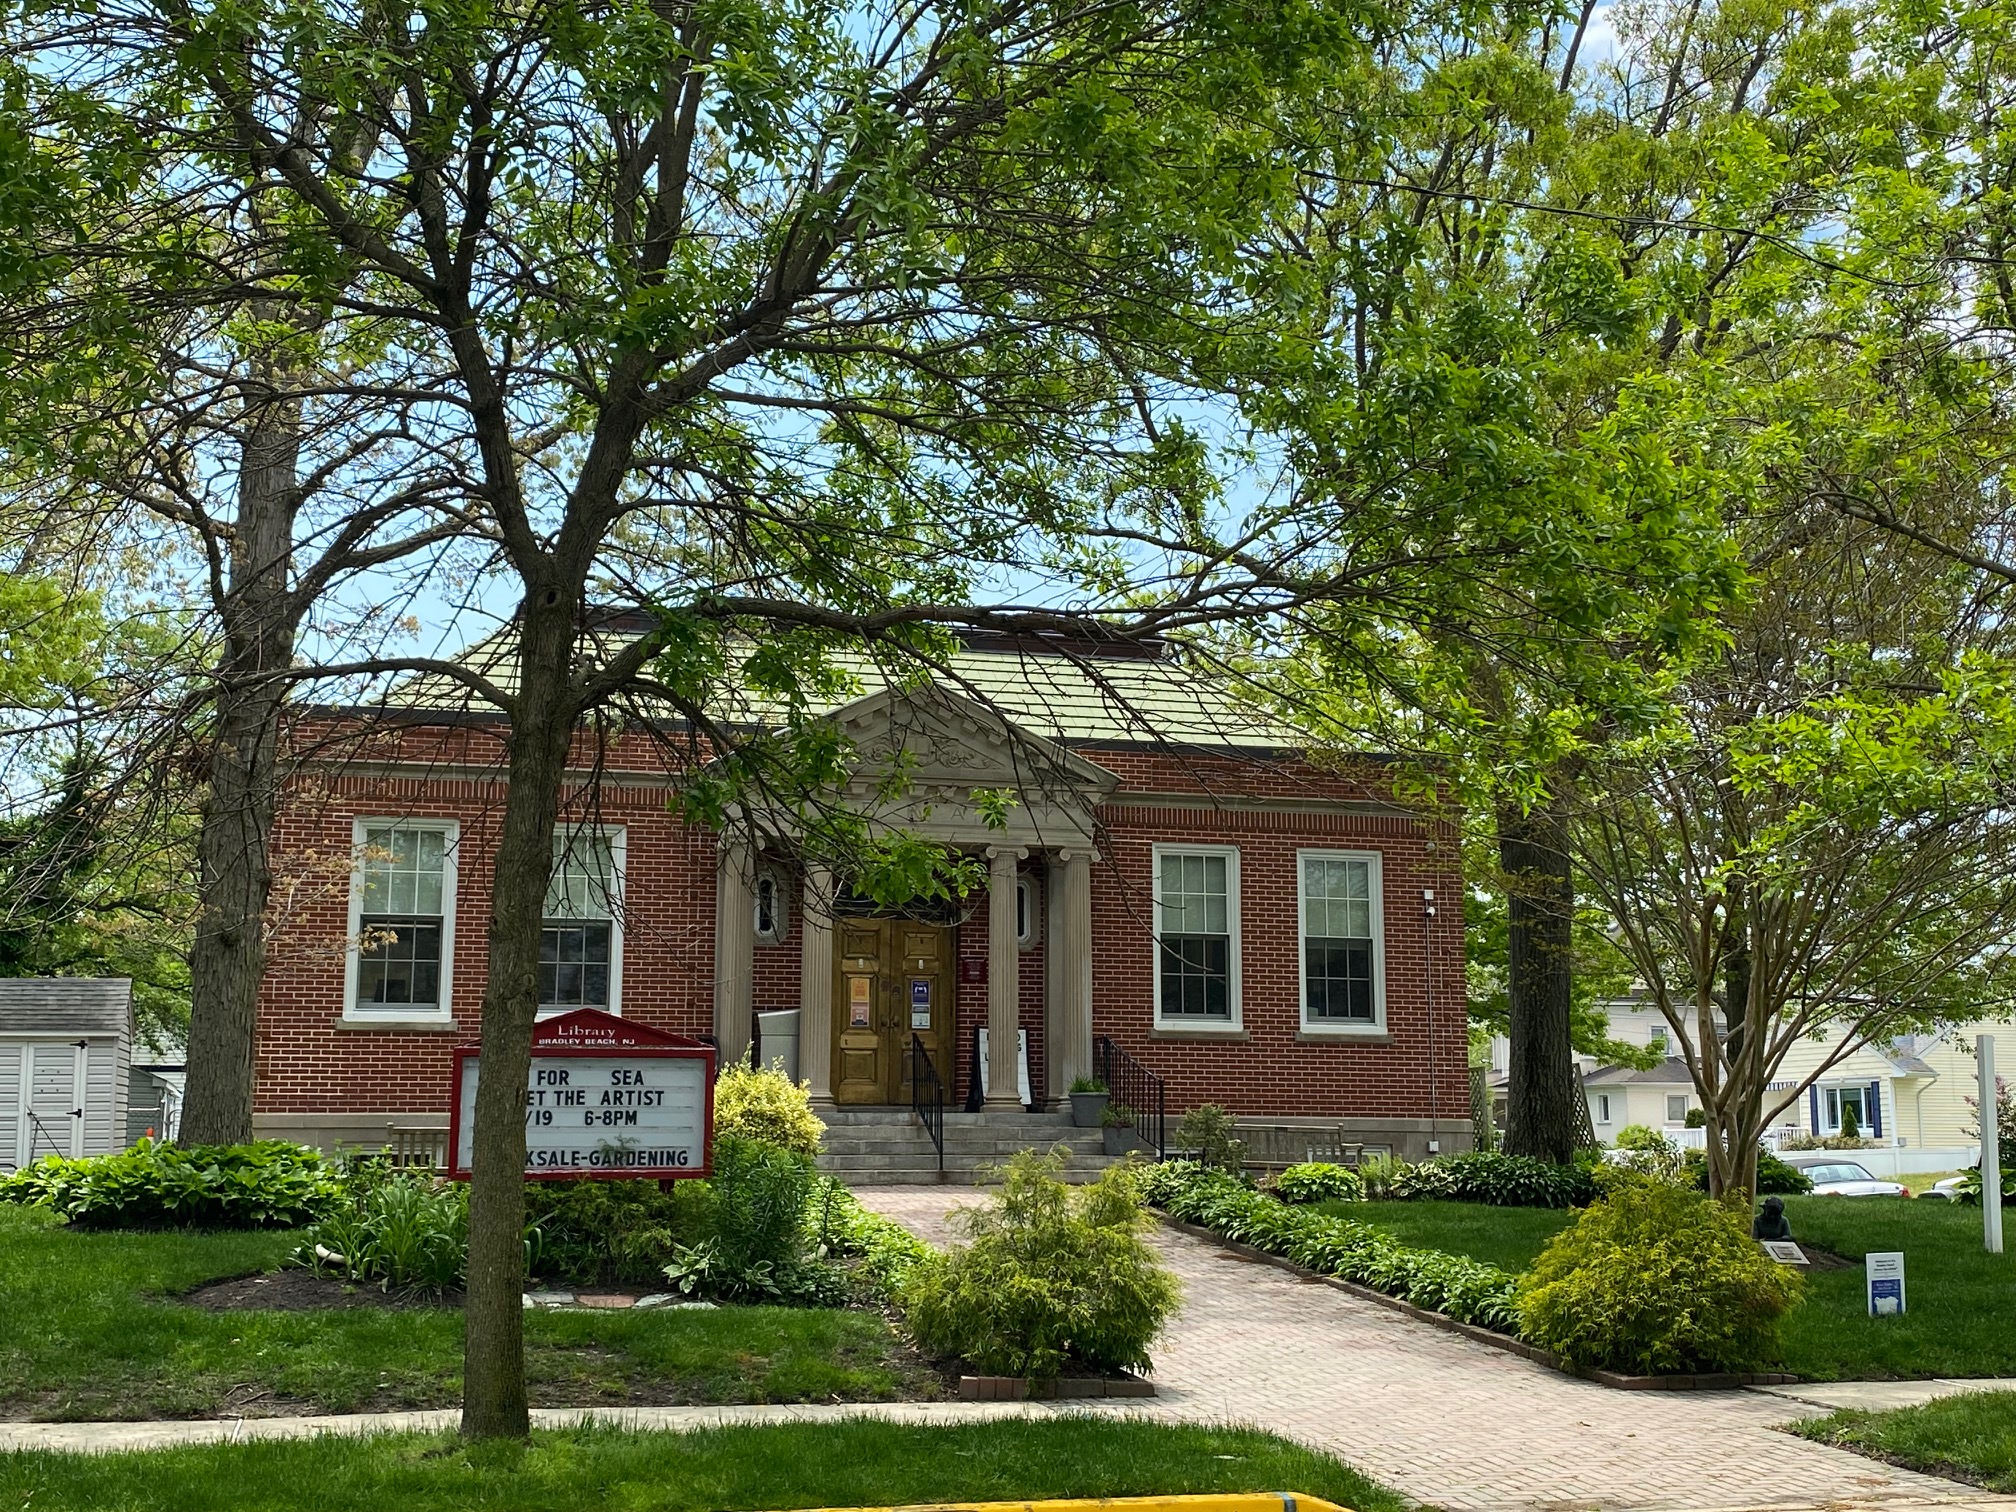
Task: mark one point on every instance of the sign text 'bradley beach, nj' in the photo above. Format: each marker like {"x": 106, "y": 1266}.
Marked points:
{"x": 604, "y": 1098}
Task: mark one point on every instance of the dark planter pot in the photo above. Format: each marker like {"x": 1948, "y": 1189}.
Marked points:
{"x": 1086, "y": 1108}
{"x": 1119, "y": 1139}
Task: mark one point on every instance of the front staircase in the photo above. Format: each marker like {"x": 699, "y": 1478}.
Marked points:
{"x": 890, "y": 1147}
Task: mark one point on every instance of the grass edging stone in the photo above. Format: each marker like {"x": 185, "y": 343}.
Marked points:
{"x": 1727, "y": 1381}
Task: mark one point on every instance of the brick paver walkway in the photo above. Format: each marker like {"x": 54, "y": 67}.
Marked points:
{"x": 1458, "y": 1424}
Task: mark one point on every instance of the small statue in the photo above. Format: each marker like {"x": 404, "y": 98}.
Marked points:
{"x": 1772, "y": 1223}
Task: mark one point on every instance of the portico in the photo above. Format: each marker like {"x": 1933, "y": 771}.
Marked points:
{"x": 930, "y": 763}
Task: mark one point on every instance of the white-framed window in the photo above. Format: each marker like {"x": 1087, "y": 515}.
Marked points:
{"x": 402, "y": 919}
{"x": 1342, "y": 939}
{"x": 1602, "y": 1107}
{"x": 773, "y": 921}
{"x": 581, "y": 935}
{"x": 1196, "y": 936}
{"x": 1655, "y": 1039}
{"x": 1028, "y": 913}
{"x": 1676, "y": 1107}
{"x": 1834, "y": 1099}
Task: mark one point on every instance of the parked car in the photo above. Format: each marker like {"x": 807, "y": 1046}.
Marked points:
{"x": 1946, "y": 1189}
{"x": 1834, "y": 1177}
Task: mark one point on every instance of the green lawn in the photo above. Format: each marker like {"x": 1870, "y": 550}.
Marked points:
{"x": 85, "y": 1332}
{"x": 860, "y": 1463}
{"x": 1962, "y": 1301}
{"x": 1961, "y": 1318}
{"x": 1971, "y": 1437}
{"x": 1508, "y": 1238}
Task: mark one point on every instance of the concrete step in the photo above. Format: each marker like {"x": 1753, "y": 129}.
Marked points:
{"x": 1005, "y": 1144}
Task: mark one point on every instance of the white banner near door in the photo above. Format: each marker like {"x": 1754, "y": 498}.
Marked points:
{"x": 1021, "y": 1064}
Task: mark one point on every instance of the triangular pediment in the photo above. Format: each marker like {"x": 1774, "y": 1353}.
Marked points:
{"x": 921, "y": 754}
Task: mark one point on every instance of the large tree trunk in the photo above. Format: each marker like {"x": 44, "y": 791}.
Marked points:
{"x": 1541, "y": 1116}
{"x": 228, "y": 956}
{"x": 542, "y": 727}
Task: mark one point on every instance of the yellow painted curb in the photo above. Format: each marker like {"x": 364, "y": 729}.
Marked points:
{"x": 1256, "y": 1501}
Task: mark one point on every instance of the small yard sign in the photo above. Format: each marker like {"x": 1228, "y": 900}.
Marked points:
{"x": 1885, "y": 1271}
{"x": 605, "y": 1098}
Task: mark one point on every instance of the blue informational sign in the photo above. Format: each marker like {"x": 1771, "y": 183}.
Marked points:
{"x": 920, "y": 1002}
{"x": 1885, "y": 1272}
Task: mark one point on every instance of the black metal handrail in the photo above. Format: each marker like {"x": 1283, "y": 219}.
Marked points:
{"x": 1133, "y": 1086}
{"x": 927, "y": 1096}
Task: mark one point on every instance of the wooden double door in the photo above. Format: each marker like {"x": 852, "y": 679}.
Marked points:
{"x": 892, "y": 978}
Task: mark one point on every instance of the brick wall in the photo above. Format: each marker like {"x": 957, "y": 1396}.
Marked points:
{"x": 310, "y": 1062}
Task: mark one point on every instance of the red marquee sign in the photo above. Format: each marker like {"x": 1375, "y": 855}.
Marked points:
{"x": 606, "y": 1099}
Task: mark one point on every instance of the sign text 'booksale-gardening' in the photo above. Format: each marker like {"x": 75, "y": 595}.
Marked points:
{"x": 604, "y": 1098}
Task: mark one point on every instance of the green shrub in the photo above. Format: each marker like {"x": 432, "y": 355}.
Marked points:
{"x": 1851, "y": 1121}
{"x": 1454, "y": 1285}
{"x": 1318, "y": 1181}
{"x": 1697, "y": 1118}
{"x": 882, "y": 1252}
{"x": 1497, "y": 1180}
{"x": 267, "y": 1184}
{"x": 1050, "y": 1279}
{"x": 613, "y": 1233}
{"x": 1656, "y": 1279}
{"x": 1379, "y": 1173}
{"x": 763, "y": 1104}
{"x": 755, "y": 1247}
{"x": 1209, "y": 1134}
{"x": 1644, "y": 1137}
{"x": 1088, "y": 1084}
{"x": 408, "y": 1230}
{"x": 1774, "y": 1177}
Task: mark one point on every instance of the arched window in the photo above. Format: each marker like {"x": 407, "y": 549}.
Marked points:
{"x": 771, "y": 922}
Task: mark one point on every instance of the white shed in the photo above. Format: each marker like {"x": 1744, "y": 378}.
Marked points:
{"x": 65, "y": 1045}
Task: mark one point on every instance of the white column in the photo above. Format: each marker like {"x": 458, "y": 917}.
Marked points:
{"x": 815, "y": 984}
{"x": 1072, "y": 1048}
{"x": 734, "y": 948}
{"x": 1989, "y": 1107}
{"x": 1003, "y": 982}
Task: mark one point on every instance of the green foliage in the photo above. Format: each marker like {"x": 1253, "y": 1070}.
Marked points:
{"x": 1450, "y": 1284}
{"x": 1642, "y": 1137}
{"x": 1209, "y": 1134}
{"x": 1050, "y": 1279}
{"x": 1497, "y": 1179}
{"x": 763, "y": 1104}
{"x": 1380, "y": 1174}
{"x": 1697, "y": 1118}
{"x": 404, "y": 1231}
{"x": 1656, "y": 1279}
{"x": 1088, "y": 1084}
{"x": 1318, "y": 1181}
{"x": 880, "y": 1252}
{"x": 1774, "y": 1177}
{"x": 266, "y": 1184}
{"x": 1599, "y": 974}
{"x": 613, "y": 1233}
{"x": 755, "y": 1245}
{"x": 1851, "y": 1122}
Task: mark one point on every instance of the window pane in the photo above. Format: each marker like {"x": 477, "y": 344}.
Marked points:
{"x": 1194, "y": 895}
{"x": 1196, "y": 976}
{"x": 403, "y": 870}
{"x": 584, "y": 877}
{"x": 1338, "y": 974}
{"x": 574, "y": 965}
{"x": 399, "y": 961}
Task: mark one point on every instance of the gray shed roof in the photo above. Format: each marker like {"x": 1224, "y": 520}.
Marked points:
{"x": 1671, "y": 1072}
{"x": 66, "y": 1005}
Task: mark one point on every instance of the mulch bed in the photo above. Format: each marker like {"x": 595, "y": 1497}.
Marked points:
{"x": 299, "y": 1290}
